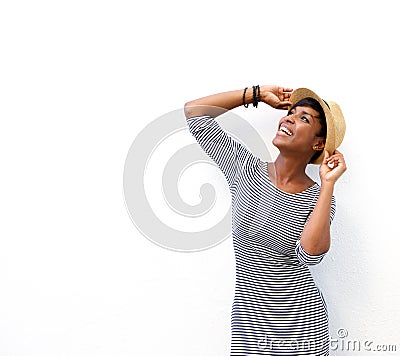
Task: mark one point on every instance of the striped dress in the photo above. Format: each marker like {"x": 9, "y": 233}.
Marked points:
{"x": 277, "y": 308}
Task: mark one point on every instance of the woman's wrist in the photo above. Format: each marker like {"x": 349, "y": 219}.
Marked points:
{"x": 265, "y": 92}
{"x": 327, "y": 186}
{"x": 247, "y": 96}
{"x": 251, "y": 95}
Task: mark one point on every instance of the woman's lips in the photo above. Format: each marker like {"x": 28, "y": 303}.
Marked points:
{"x": 285, "y": 130}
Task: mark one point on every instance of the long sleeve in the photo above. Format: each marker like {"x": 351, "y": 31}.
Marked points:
{"x": 230, "y": 155}
{"x": 303, "y": 256}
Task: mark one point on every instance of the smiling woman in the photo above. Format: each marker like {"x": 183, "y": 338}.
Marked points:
{"x": 311, "y": 112}
{"x": 280, "y": 217}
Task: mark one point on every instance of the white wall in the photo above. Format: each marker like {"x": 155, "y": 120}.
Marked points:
{"x": 81, "y": 79}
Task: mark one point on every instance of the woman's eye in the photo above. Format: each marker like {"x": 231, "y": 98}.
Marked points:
{"x": 305, "y": 119}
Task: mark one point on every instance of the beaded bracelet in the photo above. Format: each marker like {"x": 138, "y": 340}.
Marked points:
{"x": 244, "y": 95}
{"x": 256, "y": 95}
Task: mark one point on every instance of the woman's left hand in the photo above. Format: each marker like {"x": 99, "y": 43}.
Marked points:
{"x": 276, "y": 96}
{"x": 332, "y": 167}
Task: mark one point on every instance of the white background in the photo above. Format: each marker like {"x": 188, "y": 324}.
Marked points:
{"x": 81, "y": 79}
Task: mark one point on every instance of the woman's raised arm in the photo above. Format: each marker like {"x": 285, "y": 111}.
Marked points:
{"x": 217, "y": 104}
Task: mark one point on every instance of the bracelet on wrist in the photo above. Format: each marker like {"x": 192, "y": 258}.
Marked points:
{"x": 256, "y": 95}
{"x": 244, "y": 98}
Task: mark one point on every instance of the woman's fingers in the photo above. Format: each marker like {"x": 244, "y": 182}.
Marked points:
{"x": 338, "y": 157}
{"x": 277, "y": 97}
{"x": 332, "y": 167}
{"x": 335, "y": 160}
{"x": 284, "y": 93}
{"x": 284, "y": 105}
{"x": 285, "y": 90}
{"x": 336, "y": 153}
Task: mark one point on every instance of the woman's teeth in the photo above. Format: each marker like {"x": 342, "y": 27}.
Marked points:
{"x": 286, "y": 131}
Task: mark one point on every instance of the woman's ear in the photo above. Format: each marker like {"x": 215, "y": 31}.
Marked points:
{"x": 319, "y": 146}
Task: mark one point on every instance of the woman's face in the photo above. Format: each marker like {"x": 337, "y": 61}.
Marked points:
{"x": 297, "y": 132}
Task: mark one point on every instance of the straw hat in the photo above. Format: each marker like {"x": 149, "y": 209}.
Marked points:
{"x": 335, "y": 123}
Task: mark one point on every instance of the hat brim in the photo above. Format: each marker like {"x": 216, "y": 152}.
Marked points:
{"x": 335, "y": 123}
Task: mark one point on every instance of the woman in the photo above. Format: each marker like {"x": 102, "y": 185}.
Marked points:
{"x": 280, "y": 217}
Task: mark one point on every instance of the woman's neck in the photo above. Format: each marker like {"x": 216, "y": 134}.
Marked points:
{"x": 287, "y": 170}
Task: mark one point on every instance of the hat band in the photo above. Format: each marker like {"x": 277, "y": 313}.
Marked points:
{"x": 326, "y": 104}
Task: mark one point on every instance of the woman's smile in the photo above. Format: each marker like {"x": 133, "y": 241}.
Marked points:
{"x": 285, "y": 129}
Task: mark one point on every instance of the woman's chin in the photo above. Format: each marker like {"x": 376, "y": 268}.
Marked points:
{"x": 277, "y": 142}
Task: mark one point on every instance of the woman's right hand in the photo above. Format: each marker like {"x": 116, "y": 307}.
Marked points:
{"x": 276, "y": 96}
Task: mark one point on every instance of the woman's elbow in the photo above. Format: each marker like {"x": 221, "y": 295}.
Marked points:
{"x": 307, "y": 258}
{"x": 189, "y": 109}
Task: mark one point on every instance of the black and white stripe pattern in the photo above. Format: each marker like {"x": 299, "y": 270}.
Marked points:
{"x": 277, "y": 309}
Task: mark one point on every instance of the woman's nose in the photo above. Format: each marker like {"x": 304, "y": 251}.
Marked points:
{"x": 290, "y": 119}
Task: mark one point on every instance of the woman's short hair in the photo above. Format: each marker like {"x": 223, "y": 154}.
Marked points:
{"x": 314, "y": 104}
